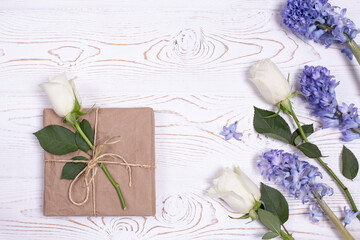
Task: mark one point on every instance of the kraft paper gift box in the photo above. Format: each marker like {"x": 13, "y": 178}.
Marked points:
{"x": 136, "y": 128}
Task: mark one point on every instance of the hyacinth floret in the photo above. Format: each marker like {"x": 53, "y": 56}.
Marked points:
{"x": 349, "y": 216}
{"x": 318, "y": 86}
{"x": 298, "y": 177}
{"x": 230, "y": 132}
{"x": 318, "y": 20}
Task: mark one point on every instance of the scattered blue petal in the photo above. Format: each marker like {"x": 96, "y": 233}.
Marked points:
{"x": 225, "y": 131}
{"x": 349, "y": 216}
{"x": 298, "y": 177}
{"x": 229, "y": 136}
{"x": 233, "y": 127}
{"x": 237, "y": 136}
{"x": 230, "y": 132}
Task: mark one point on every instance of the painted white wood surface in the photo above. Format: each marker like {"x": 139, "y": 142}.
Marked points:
{"x": 189, "y": 61}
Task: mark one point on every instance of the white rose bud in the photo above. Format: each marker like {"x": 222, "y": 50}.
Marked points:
{"x": 236, "y": 189}
{"x": 61, "y": 92}
{"x": 270, "y": 82}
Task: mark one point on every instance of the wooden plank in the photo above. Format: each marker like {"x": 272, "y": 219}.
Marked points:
{"x": 187, "y": 60}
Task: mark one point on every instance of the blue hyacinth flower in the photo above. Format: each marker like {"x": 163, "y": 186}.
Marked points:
{"x": 230, "y": 132}
{"x": 299, "y": 178}
{"x": 318, "y": 86}
{"x": 318, "y": 20}
{"x": 349, "y": 216}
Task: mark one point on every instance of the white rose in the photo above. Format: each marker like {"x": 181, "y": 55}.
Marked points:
{"x": 236, "y": 189}
{"x": 61, "y": 92}
{"x": 270, "y": 82}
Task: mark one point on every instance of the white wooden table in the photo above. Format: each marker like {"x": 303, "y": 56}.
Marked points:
{"x": 188, "y": 60}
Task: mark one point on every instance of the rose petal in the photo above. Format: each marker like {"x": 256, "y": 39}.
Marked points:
{"x": 61, "y": 99}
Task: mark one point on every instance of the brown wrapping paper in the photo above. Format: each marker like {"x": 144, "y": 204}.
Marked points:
{"x": 136, "y": 128}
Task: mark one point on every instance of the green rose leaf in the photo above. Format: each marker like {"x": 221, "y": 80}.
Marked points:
{"x": 269, "y": 220}
{"x": 350, "y": 165}
{"x": 270, "y": 235}
{"x": 296, "y": 136}
{"x": 310, "y": 150}
{"x": 275, "y": 202}
{"x": 57, "y": 140}
{"x": 274, "y": 126}
{"x": 72, "y": 169}
{"x": 86, "y": 127}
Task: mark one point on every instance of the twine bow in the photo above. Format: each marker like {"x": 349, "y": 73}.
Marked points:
{"x": 93, "y": 164}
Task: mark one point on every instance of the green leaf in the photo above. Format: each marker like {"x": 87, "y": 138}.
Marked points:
{"x": 274, "y": 127}
{"x": 77, "y": 106}
{"x": 72, "y": 169}
{"x": 269, "y": 220}
{"x": 350, "y": 165}
{"x": 86, "y": 127}
{"x": 296, "y": 136}
{"x": 57, "y": 140}
{"x": 88, "y": 111}
{"x": 310, "y": 150}
{"x": 270, "y": 235}
{"x": 275, "y": 202}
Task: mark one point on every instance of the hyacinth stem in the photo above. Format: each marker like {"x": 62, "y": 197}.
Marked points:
{"x": 354, "y": 49}
{"x": 356, "y": 130}
{"x": 102, "y": 165}
{"x": 351, "y": 44}
{"x": 326, "y": 209}
{"x": 286, "y": 104}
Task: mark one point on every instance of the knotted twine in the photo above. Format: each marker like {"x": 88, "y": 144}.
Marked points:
{"x": 93, "y": 164}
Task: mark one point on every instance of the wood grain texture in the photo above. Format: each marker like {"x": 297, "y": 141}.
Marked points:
{"x": 189, "y": 61}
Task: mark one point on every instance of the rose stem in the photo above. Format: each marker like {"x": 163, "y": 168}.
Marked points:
{"x": 102, "y": 165}
{"x": 288, "y": 107}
